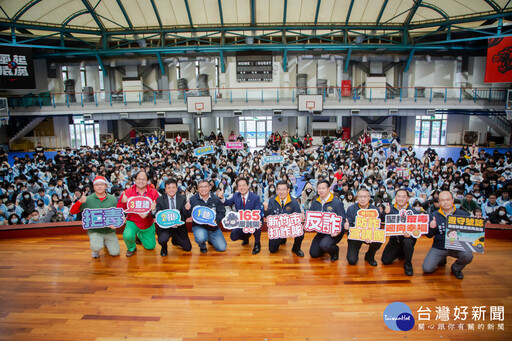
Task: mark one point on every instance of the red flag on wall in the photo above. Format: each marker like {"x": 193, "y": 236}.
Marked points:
{"x": 499, "y": 60}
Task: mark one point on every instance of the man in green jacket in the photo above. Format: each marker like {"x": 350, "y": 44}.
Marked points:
{"x": 99, "y": 237}
{"x": 468, "y": 204}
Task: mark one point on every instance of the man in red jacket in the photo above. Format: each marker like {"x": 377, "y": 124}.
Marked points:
{"x": 139, "y": 225}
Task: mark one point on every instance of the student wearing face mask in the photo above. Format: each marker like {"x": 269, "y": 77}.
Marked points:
{"x": 307, "y": 196}
{"x": 500, "y": 216}
{"x": 27, "y": 203}
{"x": 11, "y": 209}
{"x": 41, "y": 208}
{"x": 14, "y": 219}
{"x": 35, "y": 218}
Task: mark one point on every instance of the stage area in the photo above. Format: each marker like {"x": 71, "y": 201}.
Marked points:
{"x": 51, "y": 289}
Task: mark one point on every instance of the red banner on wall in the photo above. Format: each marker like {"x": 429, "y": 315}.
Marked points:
{"x": 499, "y": 60}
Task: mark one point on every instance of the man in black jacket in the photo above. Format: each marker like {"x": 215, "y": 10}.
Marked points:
{"x": 178, "y": 234}
{"x": 363, "y": 202}
{"x": 283, "y": 203}
{"x": 438, "y": 253}
{"x": 326, "y": 202}
{"x": 399, "y": 245}
{"x": 205, "y": 232}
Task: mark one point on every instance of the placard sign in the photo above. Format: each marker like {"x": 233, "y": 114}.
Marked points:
{"x": 465, "y": 234}
{"x": 248, "y": 220}
{"x": 323, "y": 222}
{"x": 367, "y": 227}
{"x": 98, "y": 218}
{"x": 204, "y": 216}
{"x": 204, "y": 151}
{"x": 234, "y": 145}
{"x": 406, "y": 221}
{"x": 284, "y": 226}
{"x": 138, "y": 205}
{"x": 168, "y": 218}
{"x": 272, "y": 159}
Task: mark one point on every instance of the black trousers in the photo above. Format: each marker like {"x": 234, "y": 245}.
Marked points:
{"x": 353, "y": 250}
{"x": 179, "y": 237}
{"x": 396, "y": 247}
{"x": 273, "y": 244}
{"x": 238, "y": 234}
{"x": 324, "y": 243}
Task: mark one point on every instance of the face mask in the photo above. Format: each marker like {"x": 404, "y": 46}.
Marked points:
{"x": 477, "y": 195}
{"x": 424, "y": 187}
{"x": 14, "y": 221}
{"x": 375, "y": 185}
{"x": 165, "y": 178}
{"x": 11, "y": 191}
{"x": 501, "y": 213}
{"x": 382, "y": 190}
{"x": 64, "y": 195}
{"x": 457, "y": 206}
{"x": 461, "y": 182}
{"x": 35, "y": 218}
{"x": 40, "y": 204}
{"x": 385, "y": 196}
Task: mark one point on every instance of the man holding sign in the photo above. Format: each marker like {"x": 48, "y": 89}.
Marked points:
{"x": 363, "y": 203}
{"x": 243, "y": 200}
{"x": 179, "y": 234}
{"x": 326, "y": 202}
{"x": 99, "y": 237}
{"x": 142, "y": 224}
{"x": 283, "y": 203}
{"x": 398, "y": 245}
{"x": 207, "y": 230}
{"x": 438, "y": 253}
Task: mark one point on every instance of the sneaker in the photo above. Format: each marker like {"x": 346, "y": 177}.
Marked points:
{"x": 95, "y": 254}
{"x": 408, "y": 270}
{"x": 457, "y": 274}
{"x": 202, "y": 248}
{"x": 130, "y": 253}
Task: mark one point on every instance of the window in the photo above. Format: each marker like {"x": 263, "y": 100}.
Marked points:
{"x": 102, "y": 84}
{"x": 178, "y": 70}
{"x": 64, "y": 71}
{"x": 197, "y": 69}
{"x": 255, "y": 130}
{"x": 84, "y": 133}
{"x": 430, "y": 130}
{"x": 217, "y": 73}
{"x": 83, "y": 76}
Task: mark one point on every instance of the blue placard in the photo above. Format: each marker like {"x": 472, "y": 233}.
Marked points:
{"x": 102, "y": 217}
{"x": 168, "y": 218}
{"x": 204, "y": 151}
{"x": 272, "y": 159}
{"x": 204, "y": 215}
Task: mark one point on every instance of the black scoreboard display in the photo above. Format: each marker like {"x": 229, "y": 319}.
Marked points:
{"x": 254, "y": 68}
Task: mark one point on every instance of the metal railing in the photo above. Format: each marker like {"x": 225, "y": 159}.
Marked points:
{"x": 261, "y": 95}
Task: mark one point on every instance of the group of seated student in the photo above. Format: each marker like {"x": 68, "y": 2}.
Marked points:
{"x": 40, "y": 190}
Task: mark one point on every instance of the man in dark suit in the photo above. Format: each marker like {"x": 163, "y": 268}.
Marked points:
{"x": 283, "y": 203}
{"x": 207, "y": 232}
{"x": 172, "y": 200}
{"x": 244, "y": 199}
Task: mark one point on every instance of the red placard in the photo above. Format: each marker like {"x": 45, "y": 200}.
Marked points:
{"x": 499, "y": 57}
{"x": 138, "y": 205}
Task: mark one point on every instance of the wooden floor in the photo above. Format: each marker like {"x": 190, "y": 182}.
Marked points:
{"x": 51, "y": 289}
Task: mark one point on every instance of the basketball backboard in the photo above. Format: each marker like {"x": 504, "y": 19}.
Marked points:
{"x": 199, "y": 104}
{"x": 311, "y": 103}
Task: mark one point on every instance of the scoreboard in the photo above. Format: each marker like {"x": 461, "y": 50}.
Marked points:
{"x": 254, "y": 68}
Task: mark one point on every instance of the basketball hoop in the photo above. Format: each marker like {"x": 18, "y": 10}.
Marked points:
{"x": 310, "y": 105}
{"x": 199, "y": 108}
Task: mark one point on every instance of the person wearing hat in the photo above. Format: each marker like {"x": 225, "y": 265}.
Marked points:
{"x": 141, "y": 226}
{"x": 103, "y": 236}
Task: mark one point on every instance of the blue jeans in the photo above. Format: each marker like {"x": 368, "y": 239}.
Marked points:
{"x": 202, "y": 235}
